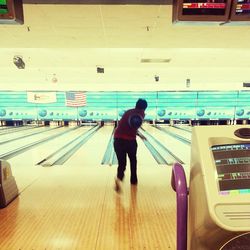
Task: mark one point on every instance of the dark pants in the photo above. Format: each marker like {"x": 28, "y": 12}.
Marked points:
{"x": 122, "y": 149}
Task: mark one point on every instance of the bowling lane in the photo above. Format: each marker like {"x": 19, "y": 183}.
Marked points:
{"x": 180, "y": 132}
{"x": 92, "y": 152}
{"x": 171, "y": 129}
{"x": 143, "y": 216}
{"x": 144, "y": 157}
{"x": 11, "y": 146}
{"x": 185, "y": 127}
{"x": 61, "y": 209}
{"x": 81, "y": 202}
{"x": 11, "y": 135}
{"x": 14, "y": 133}
{"x": 43, "y": 150}
{"x": 174, "y": 145}
{"x": 23, "y": 165}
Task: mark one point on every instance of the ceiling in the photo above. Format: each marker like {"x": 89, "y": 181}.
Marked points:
{"x": 68, "y": 41}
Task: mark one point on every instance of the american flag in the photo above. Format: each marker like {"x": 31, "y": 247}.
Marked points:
{"x": 75, "y": 99}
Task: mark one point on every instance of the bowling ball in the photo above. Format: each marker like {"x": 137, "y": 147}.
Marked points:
{"x": 161, "y": 112}
{"x": 240, "y": 112}
{"x": 2, "y": 112}
{"x": 82, "y": 112}
{"x": 42, "y": 112}
{"x": 135, "y": 121}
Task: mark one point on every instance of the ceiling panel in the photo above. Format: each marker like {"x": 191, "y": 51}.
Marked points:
{"x": 71, "y": 40}
{"x": 125, "y": 26}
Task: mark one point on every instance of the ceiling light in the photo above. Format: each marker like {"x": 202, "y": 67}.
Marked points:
{"x": 155, "y": 60}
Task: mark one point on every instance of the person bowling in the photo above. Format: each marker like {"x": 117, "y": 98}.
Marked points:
{"x": 125, "y": 142}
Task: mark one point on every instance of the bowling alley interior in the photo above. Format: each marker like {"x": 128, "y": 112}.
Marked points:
{"x": 69, "y": 72}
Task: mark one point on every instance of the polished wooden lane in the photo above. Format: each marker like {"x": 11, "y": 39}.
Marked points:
{"x": 143, "y": 217}
{"x": 75, "y": 207}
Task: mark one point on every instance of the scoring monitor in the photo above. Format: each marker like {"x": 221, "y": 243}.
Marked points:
{"x": 240, "y": 10}
{"x": 233, "y": 168}
{"x": 201, "y": 10}
{"x": 11, "y": 12}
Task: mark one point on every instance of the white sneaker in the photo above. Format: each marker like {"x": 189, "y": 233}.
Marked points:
{"x": 118, "y": 185}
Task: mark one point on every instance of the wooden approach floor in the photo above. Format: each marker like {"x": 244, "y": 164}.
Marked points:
{"x": 75, "y": 207}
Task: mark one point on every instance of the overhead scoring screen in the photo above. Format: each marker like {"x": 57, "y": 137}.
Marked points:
{"x": 3, "y": 7}
{"x": 11, "y": 12}
{"x": 233, "y": 167}
{"x": 204, "y": 7}
{"x": 242, "y": 7}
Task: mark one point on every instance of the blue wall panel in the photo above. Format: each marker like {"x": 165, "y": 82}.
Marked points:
{"x": 110, "y": 105}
